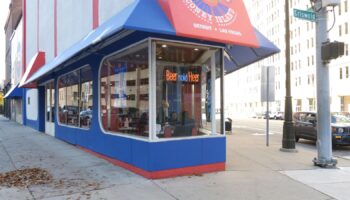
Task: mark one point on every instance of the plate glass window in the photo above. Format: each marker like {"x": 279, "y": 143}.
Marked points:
{"x": 188, "y": 90}
{"x": 75, "y": 98}
{"x": 124, "y": 92}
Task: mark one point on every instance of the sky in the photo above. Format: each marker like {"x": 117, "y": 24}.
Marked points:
{"x": 4, "y": 8}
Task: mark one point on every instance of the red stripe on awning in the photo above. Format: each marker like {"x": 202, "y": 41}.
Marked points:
{"x": 34, "y": 65}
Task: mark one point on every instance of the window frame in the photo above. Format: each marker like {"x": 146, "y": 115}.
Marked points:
{"x": 153, "y": 136}
{"x": 124, "y": 49}
{"x": 57, "y": 98}
{"x": 152, "y": 92}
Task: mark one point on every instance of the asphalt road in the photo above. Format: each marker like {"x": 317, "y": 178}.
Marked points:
{"x": 256, "y": 128}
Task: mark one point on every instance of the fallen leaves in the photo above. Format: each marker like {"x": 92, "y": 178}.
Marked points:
{"x": 25, "y": 177}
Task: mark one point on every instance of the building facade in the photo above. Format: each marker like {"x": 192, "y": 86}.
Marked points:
{"x": 132, "y": 81}
{"x": 303, "y": 61}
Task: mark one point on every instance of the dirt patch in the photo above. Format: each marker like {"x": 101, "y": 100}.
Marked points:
{"x": 25, "y": 177}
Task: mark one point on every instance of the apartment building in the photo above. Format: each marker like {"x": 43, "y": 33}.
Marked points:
{"x": 270, "y": 19}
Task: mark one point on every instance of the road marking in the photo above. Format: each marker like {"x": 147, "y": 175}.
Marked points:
{"x": 247, "y": 127}
{"x": 262, "y": 134}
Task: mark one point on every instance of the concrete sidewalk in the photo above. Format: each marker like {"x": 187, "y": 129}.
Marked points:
{"x": 253, "y": 172}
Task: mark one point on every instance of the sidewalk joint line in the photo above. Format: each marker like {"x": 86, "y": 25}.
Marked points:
{"x": 161, "y": 188}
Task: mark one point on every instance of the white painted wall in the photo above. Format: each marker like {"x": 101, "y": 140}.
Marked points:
{"x": 46, "y": 28}
{"x": 31, "y": 29}
{"x": 74, "y": 21}
{"x": 16, "y": 55}
{"x": 108, "y": 8}
{"x": 32, "y": 105}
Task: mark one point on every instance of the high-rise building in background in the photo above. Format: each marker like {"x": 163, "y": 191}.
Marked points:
{"x": 269, "y": 17}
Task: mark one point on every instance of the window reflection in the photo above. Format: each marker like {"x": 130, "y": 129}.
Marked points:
{"x": 124, "y": 92}
{"x": 75, "y": 98}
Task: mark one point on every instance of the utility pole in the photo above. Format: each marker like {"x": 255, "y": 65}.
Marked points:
{"x": 324, "y": 136}
{"x": 288, "y": 141}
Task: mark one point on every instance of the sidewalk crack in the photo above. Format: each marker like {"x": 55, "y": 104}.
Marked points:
{"x": 161, "y": 188}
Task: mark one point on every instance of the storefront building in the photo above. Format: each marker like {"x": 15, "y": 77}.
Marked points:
{"x": 143, "y": 89}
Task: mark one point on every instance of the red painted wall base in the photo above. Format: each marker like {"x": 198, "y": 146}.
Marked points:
{"x": 194, "y": 170}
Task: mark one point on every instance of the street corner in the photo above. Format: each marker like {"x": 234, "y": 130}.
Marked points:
{"x": 332, "y": 182}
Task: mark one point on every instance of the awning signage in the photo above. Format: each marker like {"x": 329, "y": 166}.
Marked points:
{"x": 224, "y": 21}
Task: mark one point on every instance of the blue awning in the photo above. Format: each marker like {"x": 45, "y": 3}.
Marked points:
{"x": 238, "y": 56}
{"x": 14, "y": 92}
{"x": 148, "y": 16}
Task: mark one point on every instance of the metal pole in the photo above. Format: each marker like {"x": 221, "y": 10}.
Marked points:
{"x": 288, "y": 141}
{"x": 324, "y": 136}
{"x": 267, "y": 105}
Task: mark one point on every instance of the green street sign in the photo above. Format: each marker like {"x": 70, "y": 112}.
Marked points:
{"x": 305, "y": 15}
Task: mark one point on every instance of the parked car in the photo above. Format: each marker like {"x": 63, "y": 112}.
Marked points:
{"x": 277, "y": 115}
{"x": 305, "y": 126}
{"x": 274, "y": 115}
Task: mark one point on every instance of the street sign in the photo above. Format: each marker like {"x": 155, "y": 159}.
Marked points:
{"x": 305, "y": 15}
{"x": 267, "y": 84}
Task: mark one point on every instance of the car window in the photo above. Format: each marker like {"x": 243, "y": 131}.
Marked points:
{"x": 340, "y": 119}
{"x": 310, "y": 117}
{"x": 302, "y": 117}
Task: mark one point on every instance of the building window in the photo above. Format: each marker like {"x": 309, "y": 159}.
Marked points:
{"x": 312, "y": 104}
{"x": 298, "y": 105}
{"x": 347, "y": 72}
{"x": 346, "y": 49}
{"x": 346, "y": 28}
{"x": 186, "y": 102}
{"x": 75, "y": 98}
{"x": 340, "y": 31}
{"x": 345, "y": 6}
{"x": 124, "y": 83}
{"x": 341, "y": 73}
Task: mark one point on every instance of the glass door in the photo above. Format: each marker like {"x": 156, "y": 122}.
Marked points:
{"x": 50, "y": 108}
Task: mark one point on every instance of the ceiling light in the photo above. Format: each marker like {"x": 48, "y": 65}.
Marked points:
{"x": 160, "y": 57}
{"x": 196, "y": 49}
{"x": 164, "y": 46}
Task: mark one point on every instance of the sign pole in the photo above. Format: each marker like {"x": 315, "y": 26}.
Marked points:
{"x": 267, "y": 105}
{"x": 324, "y": 137}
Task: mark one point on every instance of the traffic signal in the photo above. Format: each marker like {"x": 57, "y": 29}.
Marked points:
{"x": 332, "y": 50}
